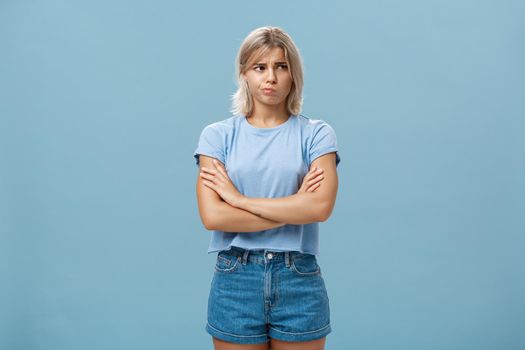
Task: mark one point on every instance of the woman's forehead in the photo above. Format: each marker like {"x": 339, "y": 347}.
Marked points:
{"x": 268, "y": 53}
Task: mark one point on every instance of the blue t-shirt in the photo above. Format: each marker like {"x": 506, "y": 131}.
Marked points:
{"x": 269, "y": 163}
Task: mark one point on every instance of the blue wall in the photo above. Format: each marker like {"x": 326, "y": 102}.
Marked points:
{"x": 101, "y": 106}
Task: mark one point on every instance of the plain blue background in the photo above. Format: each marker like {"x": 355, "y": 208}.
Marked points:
{"x": 101, "y": 106}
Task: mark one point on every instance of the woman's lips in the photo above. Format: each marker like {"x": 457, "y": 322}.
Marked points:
{"x": 268, "y": 91}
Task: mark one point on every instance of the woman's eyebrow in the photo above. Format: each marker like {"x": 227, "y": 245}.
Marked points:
{"x": 264, "y": 64}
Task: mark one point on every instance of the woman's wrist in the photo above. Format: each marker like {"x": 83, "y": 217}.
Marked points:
{"x": 241, "y": 202}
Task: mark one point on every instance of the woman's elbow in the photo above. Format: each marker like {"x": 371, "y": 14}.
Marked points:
{"x": 215, "y": 215}
{"x": 208, "y": 225}
{"x": 322, "y": 217}
{"x": 325, "y": 211}
{"x": 209, "y": 221}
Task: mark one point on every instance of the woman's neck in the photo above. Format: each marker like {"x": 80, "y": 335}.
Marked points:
{"x": 268, "y": 117}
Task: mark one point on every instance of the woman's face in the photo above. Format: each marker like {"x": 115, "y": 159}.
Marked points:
{"x": 271, "y": 72}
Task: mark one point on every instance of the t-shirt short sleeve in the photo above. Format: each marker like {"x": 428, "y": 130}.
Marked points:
{"x": 324, "y": 141}
{"x": 211, "y": 143}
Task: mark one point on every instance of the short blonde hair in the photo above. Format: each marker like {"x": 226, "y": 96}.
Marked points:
{"x": 259, "y": 41}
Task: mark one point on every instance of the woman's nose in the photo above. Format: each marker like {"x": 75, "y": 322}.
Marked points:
{"x": 271, "y": 75}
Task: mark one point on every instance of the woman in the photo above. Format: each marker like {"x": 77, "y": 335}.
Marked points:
{"x": 268, "y": 177}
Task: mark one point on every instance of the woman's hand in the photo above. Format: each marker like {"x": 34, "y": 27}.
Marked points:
{"x": 218, "y": 180}
{"x": 312, "y": 180}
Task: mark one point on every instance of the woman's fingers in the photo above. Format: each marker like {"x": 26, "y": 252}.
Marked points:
{"x": 314, "y": 187}
{"x": 304, "y": 184}
{"x": 316, "y": 179}
{"x": 220, "y": 169}
{"x": 213, "y": 172}
{"x": 313, "y": 181}
{"x": 313, "y": 177}
{"x": 209, "y": 184}
{"x": 208, "y": 170}
{"x": 207, "y": 176}
{"x": 314, "y": 172}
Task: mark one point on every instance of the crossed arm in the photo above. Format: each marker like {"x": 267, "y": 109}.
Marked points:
{"x": 222, "y": 208}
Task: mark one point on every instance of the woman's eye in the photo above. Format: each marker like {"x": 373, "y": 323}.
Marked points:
{"x": 283, "y": 66}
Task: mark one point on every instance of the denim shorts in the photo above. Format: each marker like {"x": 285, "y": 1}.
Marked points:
{"x": 256, "y": 295}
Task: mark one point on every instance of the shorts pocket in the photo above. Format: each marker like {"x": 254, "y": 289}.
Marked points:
{"x": 305, "y": 265}
{"x": 226, "y": 263}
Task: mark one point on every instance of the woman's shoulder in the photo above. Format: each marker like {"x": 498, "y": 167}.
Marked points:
{"x": 311, "y": 124}
{"x": 227, "y": 123}
{"x": 224, "y": 126}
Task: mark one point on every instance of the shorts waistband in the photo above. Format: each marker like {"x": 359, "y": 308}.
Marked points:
{"x": 263, "y": 255}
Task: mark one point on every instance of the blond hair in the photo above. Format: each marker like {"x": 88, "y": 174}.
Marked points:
{"x": 259, "y": 41}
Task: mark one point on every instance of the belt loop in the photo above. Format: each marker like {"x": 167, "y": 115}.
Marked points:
{"x": 245, "y": 257}
{"x": 287, "y": 258}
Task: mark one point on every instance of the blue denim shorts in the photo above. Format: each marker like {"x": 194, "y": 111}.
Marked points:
{"x": 256, "y": 295}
